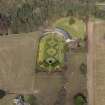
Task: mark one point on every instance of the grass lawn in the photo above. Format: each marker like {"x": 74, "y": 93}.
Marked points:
{"x": 51, "y": 51}
{"x": 76, "y": 30}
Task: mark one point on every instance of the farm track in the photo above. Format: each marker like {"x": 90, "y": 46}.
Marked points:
{"x": 73, "y": 81}
{"x": 90, "y": 68}
{"x": 99, "y": 63}
{"x": 96, "y": 63}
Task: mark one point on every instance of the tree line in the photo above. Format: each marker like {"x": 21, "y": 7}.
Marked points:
{"x": 29, "y": 15}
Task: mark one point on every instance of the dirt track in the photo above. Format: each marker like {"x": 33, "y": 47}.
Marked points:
{"x": 90, "y": 61}
{"x": 76, "y": 82}
{"x": 96, "y": 63}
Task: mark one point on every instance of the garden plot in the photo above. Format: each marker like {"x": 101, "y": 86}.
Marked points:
{"x": 51, "y": 52}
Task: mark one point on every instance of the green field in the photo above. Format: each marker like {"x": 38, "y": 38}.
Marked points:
{"x": 51, "y": 52}
{"x": 77, "y": 29}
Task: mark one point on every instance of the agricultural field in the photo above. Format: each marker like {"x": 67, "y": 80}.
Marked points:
{"x": 16, "y": 60}
{"x": 51, "y": 51}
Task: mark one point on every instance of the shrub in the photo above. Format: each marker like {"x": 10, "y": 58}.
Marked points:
{"x": 83, "y": 68}
{"x": 71, "y": 21}
{"x": 80, "y": 99}
{"x": 32, "y": 100}
{"x": 2, "y": 93}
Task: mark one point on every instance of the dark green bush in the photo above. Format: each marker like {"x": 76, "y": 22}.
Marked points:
{"x": 2, "y": 93}
{"x": 80, "y": 99}
{"x": 83, "y": 68}
{"x": 32, "y": 100}
{"x": 71, "y": 21}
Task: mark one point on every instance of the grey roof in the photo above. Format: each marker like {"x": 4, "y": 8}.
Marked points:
{"x": 65, "y": 33}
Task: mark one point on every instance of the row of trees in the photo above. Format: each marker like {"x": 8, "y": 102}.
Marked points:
{"x": 29, "y": 15}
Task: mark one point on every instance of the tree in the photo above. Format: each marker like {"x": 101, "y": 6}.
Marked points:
{"x": 2, "y": 93}
{"x": 80, "y": 99}
{"x": 28, "y": 15}
{"x": 83, "y": 68}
